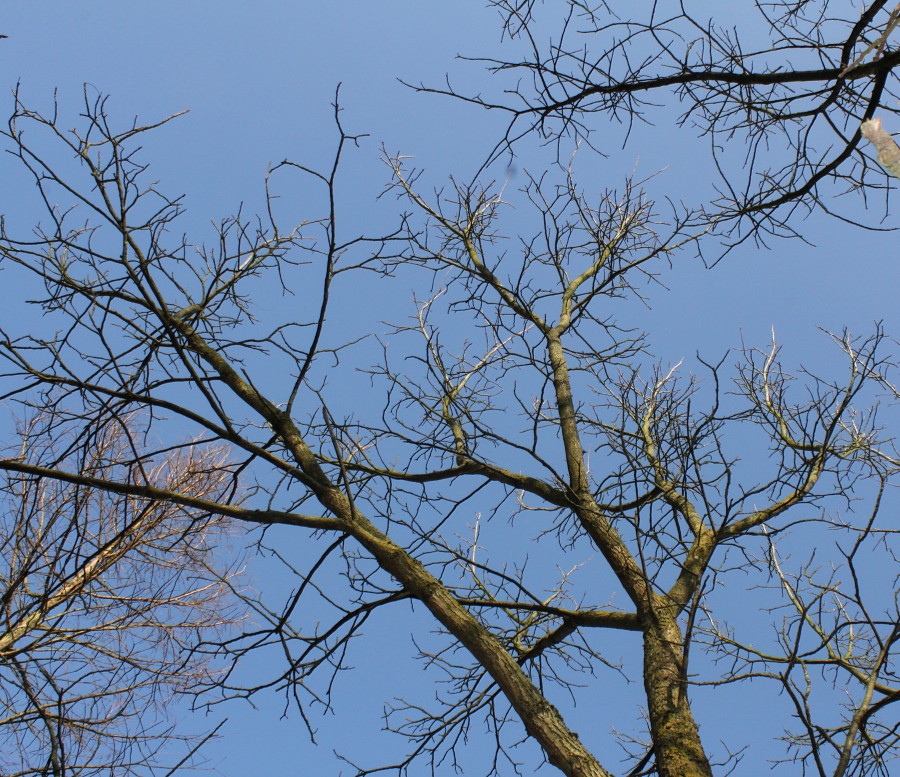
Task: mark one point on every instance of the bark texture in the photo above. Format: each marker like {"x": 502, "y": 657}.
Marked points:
{"x": 679, "y": 752}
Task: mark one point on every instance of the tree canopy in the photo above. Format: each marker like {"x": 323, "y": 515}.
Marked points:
{"x": 504, "y": 471}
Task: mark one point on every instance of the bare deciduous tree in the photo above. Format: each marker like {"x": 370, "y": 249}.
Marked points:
{"x": 104, "y": 598}
{"x": 519, "y": 410}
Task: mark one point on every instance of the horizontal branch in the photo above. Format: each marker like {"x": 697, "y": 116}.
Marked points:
{"x": 268, "y": 517}
{"x": 612, "y": 619}
{"x": 744, "y": 78}
{"x": 528, "y": 483}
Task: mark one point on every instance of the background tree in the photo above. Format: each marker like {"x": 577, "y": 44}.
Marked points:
{"x": 519, "y": 409}
{"x": 104, "y": 598}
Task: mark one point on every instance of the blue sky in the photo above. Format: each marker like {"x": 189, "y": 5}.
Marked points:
{"x": 258, "y": 80}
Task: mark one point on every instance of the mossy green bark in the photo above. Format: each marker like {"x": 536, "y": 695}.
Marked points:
{"x": 676, "y": 740}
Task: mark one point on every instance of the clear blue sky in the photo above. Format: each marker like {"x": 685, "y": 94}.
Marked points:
{"x": 258, "y": 80}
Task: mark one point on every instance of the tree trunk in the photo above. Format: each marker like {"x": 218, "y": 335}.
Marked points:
{"x": 676, "y": 740}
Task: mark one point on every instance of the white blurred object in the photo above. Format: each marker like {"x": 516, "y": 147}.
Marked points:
{"x": 888, "y": 150}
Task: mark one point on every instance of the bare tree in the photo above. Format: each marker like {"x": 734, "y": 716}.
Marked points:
{"x": 779, "y": 89}
{"x": 104, "y": 598}
{"x": 520, "y": 410}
